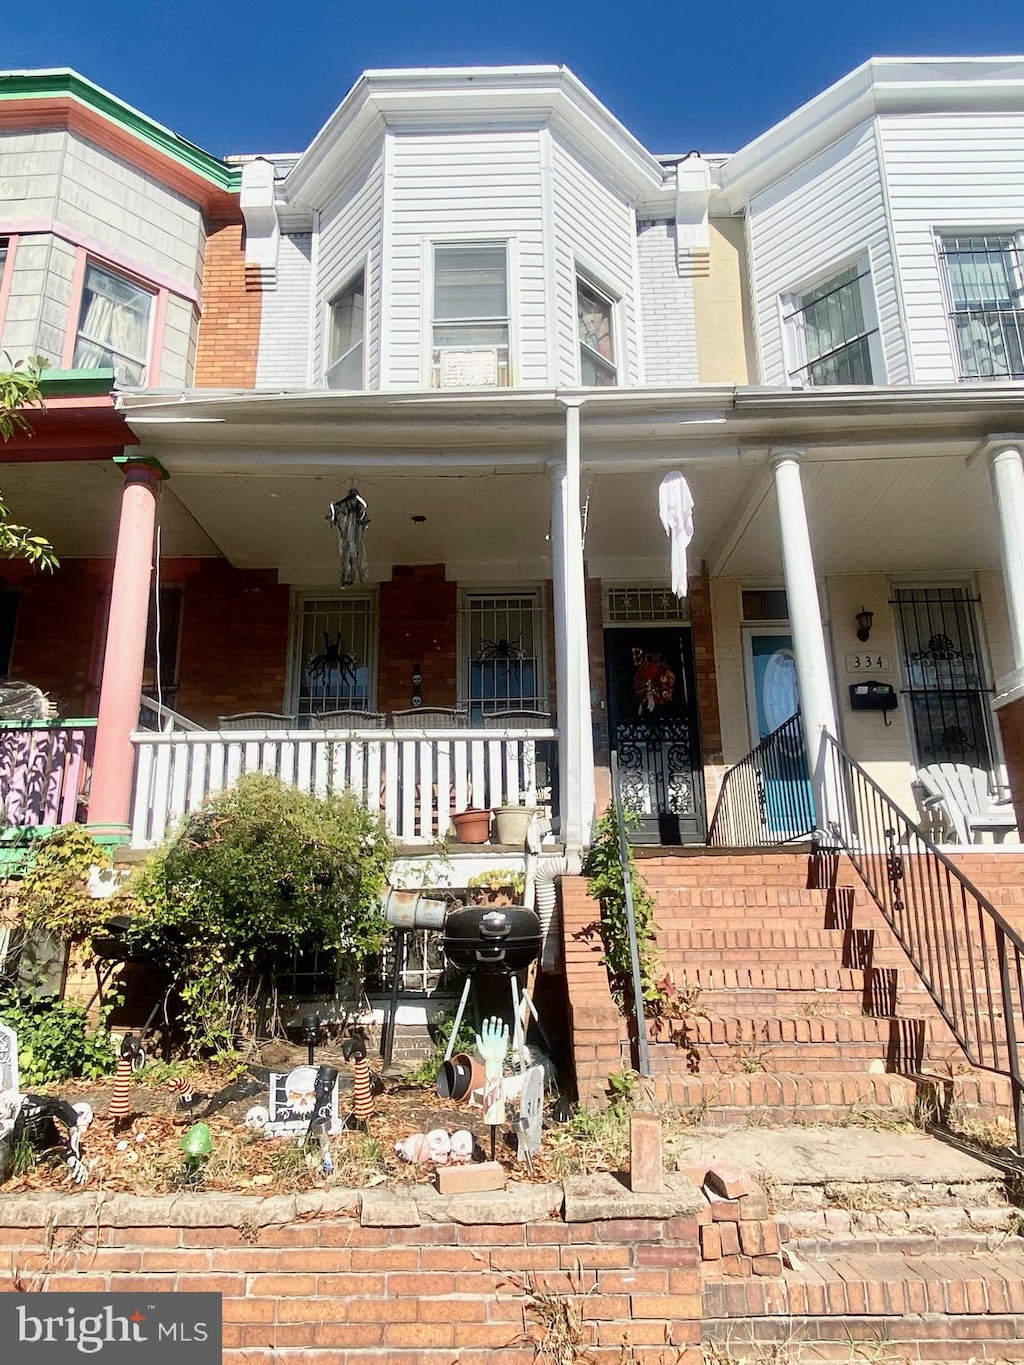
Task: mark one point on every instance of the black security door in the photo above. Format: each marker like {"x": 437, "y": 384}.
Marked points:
{"x": 652, "y": 707}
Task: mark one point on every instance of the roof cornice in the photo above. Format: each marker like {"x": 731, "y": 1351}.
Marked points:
{"x": 880, "y": 86}
{"x": 453, "y": 98}
{"x": 63, "y": 98}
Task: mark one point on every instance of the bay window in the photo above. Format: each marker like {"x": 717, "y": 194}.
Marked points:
{"x": 470, "y": 315}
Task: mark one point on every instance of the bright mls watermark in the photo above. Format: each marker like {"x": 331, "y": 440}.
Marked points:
{"x": 53, "y": 1329}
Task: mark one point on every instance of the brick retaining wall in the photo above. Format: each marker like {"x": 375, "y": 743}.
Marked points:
{"x": 349, "y": 1277}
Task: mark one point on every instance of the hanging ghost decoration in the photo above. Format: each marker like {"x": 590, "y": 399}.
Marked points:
{"x": 675, "y": 507}
{"x": 348, "y": 516}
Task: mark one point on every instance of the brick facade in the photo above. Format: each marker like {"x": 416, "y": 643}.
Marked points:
{"x": 234, "y": 639}
{"x": 58, "y": 642}
{"x": 418, "y": 624}
{"x": 229, "y": 333}
{"x": 301, "y": 1275}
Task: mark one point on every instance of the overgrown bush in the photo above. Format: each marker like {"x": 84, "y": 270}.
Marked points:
{"x": 55, "y": 1040}
{"x": 259, "y": 869}
{"x": 54, "y": 893}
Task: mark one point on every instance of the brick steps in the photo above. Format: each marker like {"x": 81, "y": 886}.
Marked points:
{"x": 864, "y": 1306}
{"x": 826, "y": 1097}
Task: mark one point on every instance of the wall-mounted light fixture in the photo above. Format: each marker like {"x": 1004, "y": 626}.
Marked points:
{"x": 864, "y": 619}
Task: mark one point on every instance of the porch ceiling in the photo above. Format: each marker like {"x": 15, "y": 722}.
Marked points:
{"x": 76, "y": 505}
{"x": 880, "y": 515}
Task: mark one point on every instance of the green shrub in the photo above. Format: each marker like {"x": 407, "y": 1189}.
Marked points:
{"x": 54, "y": 893}
{"x": 603, "y": 870}
{"x": 259, "y": 869}
{"x": 55, "y": 1040}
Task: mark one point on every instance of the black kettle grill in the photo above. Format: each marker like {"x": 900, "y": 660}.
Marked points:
{"x": 495, "y": 942}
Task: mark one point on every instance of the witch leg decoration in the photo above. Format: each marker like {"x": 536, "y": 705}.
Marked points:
{"x": 348, "y": 515}
{"x": 120, "y": 1106}
{"x": 320, "y": 1118}
{"x": 354, "y": 1049}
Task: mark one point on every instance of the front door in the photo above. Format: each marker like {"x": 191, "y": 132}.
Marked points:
{"x": 773, "y": 697}
{"x": 652, "y": 711}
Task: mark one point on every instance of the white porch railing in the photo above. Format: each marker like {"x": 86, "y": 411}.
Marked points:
{"x": 416, "y": 778}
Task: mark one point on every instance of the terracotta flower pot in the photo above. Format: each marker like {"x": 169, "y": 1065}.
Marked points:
{"x": 472, "y": 826}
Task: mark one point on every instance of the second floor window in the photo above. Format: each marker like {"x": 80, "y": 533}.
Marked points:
{"x": 832, "y": 331}
{"x": 985, "y": 280}
{"x": 595, "y": 314}
{"x": 345, "y": 346}
{"x": 471, "y": 316}
{"x": 113, "y": 326}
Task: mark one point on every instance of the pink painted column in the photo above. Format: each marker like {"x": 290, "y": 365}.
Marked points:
{"x": 124, "y": 656}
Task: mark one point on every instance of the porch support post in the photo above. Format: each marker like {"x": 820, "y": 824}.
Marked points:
{"x": 804, "y": 617}
{"x": 575, "y": 727}
{"x": 125, "y": 650}
{"x": 1007, "y": 471}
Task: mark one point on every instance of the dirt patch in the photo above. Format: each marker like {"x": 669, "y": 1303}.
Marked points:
{"x": 143, "y": 1155}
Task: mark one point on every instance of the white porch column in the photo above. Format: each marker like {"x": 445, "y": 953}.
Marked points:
{"x": 575, "y": 727}
{"x": 1007, "y": 471}
{"x": 804, "y": 612}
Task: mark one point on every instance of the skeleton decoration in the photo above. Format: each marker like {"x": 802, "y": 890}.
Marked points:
{"x": 437, "y": 1147}
{"x": 33, "y": 1119}
{"x": 348, "y": 516}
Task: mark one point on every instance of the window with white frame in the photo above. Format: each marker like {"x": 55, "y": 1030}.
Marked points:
{"x": 595, "y": 314}
{"x": 470, "y": 315}
{"x": 502, "y": 637}
{"x": 984, "y": 275}
{"x": 3, "y": 257}
{"x": 333, "y": 655}
{"x": 113, "y": 326}
{"x": 345, "y": 341}
{"x": 832, "y": 331}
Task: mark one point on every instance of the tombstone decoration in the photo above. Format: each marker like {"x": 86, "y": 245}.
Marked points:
{"x": 8, "y": 1058}
{"x": 293, "y": 1102}
{"x": 531, "y": 1114}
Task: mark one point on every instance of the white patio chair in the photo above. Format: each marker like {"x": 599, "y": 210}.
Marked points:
{"x": 963, "y": 793}
{"x": 518, "y": 720}
{"x": 429, "y": 718}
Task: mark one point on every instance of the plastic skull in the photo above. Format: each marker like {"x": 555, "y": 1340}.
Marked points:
{"x": 257, "y": 1118}
{"x": 462, "y": 1147}
{"x": 439, "y": 1146}
{"x": 413, "y": 1148}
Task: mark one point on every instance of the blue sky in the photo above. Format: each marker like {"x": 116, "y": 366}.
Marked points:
{"x": 263, "y": 77}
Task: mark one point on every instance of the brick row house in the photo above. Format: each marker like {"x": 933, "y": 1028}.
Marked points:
{"x": 479, "y": 304}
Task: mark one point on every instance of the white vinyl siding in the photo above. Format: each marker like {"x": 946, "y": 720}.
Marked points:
{"x": 594, "y": 229}
{"x": 947, "y": 174}
{"x": 177, "y": 358}
{"x": 463, "y": 188}
{"x": 286, "y": 321}
{"x": 350, "y": 241}
{"x": 815, "y": 221}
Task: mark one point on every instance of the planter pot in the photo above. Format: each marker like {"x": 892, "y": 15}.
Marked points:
{"x": 511, "y": 824}
{"x": 459, "y": 1077}
{"x": 472, "y": 826}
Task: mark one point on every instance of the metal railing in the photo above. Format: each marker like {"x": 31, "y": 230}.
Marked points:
{"x": 970, "y": 960}
{"x": 766, "y": 798}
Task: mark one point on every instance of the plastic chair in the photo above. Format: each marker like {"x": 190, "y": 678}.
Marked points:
{"x": 256, "y": 720}
{"x": 347, "y": 720}
{"x": 430, "y": 718}
{"x": 963, "y": 793}
{"x": 518, "y": 720}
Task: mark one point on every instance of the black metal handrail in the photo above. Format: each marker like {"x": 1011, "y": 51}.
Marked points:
{"x": 766, "y": 798}
{"x": 970, "y": 960}
{"x": 639, "y": 1011}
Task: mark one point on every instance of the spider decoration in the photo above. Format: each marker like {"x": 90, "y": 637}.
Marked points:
{"x": 501, "y": 651}
{"x": 333, "y": 659}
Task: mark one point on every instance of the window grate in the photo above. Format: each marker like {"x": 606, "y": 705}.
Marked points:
{"x": 985, "y": 280}
{"x": 504, "y": 641}
{"x": 643, "y": 603}
{"x": 834, "y": 336}
{"x": 944, "y": 675}
{"x": 334, "y": 655}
